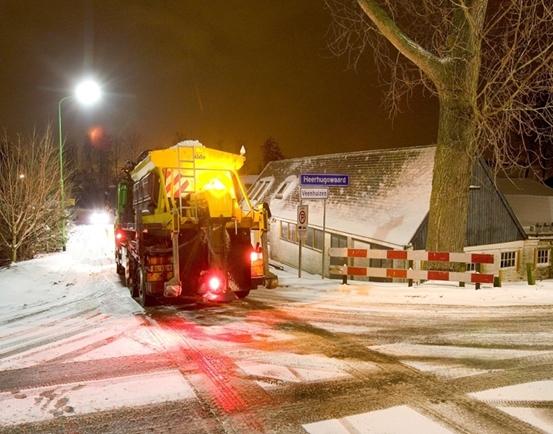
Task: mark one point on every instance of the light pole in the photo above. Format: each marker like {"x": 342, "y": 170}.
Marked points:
{"x": 86, "y": 93}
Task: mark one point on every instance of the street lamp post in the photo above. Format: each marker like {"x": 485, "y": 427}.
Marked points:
{"x": 86, "y": 93}
{"x": 62, "y": 187}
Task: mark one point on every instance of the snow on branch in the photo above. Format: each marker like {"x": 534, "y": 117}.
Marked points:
{"x": 30, "y": 209}
{"x": 497, "y": 56}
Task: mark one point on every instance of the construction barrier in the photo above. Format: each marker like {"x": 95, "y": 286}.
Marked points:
{"x": 412, "y": 255}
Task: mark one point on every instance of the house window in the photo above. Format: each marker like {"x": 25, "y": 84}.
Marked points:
{"x": 543, "y": 257}
{"x": 309, "y": 238}
{"x": 281, "y": 190}
{"x": 254, "y": 189}
{"x": 314, "y": 239}
{"x": 508, "y": 259}
{"x": 260, "y": 189}
{"x": 318, "y": 240}
{"x": 470, "y": 266}
{"x": 288, "y": 232}
{"x": 292, "y": 233}
{"x": 380, "y": 263}
{"x": 284, "y": 230}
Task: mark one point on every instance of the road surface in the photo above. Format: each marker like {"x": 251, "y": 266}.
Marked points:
{"x": 78, "y": 354}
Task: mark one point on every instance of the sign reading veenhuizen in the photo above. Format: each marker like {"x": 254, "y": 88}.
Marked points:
{"x": 314, "y": 193}
{"x": 324, "y": 179}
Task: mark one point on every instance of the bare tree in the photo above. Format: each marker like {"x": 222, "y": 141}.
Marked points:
{"x": 270, "y": 151}
{"x": 30, "y": 211}
{"x": 130, "y": 146}
{"x": 490, "y": 64}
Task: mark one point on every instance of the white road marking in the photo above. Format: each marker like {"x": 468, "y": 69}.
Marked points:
{"x": 36, "y": 404}
{"x": 400, "y": 419}
{"x": 453, "y": 352}
{"x": 534, "y": 391}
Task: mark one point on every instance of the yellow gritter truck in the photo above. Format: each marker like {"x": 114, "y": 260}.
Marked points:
{"x": 185, "y": 228}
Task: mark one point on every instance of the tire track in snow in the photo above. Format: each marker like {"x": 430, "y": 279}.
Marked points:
{"x": 233, "y": 400}
{"x": 513, "y": 403}
{"x": 25, "y": 345}
{"x": 60, "y": 373}
{"x": 432, "y": 396}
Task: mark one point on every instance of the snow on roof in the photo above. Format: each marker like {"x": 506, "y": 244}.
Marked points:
{"x": 387, "y": 198}
{"x": 524, "y": 186}
{"x": 531, "y": 210}
{"x": 189, "y": 144}
{"x": 531, "y": 201}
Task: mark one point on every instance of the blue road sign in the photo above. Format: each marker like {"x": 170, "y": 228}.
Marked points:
{"x": 324, "y": 179}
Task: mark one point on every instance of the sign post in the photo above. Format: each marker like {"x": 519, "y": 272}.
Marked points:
{"x": 313, "y": 193}
{"x": 324, "y": 236}
{"x": 317, "y": 188}
{"x": 303, "y": 218}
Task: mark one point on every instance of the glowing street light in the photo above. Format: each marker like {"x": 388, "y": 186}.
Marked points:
{"x": 87, "y": 93}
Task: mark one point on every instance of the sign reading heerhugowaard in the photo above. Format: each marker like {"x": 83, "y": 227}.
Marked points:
{"x": 324, "y": 179}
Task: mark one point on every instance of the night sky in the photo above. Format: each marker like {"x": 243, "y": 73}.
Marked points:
{"x": 227, "y": 72}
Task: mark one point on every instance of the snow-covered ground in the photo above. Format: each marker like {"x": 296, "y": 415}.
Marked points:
{"x": 363, "y": 357}
{"x": 430, "y": 292}
{"x": 66, "y": 276}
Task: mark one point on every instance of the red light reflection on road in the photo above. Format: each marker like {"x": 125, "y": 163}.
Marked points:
{"x": 225, "y": 385}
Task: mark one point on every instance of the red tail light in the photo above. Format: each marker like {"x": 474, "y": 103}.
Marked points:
{"x": 119, "y": 235}
{"x": 214, "y": 283}
{"x": 255, "y": 256}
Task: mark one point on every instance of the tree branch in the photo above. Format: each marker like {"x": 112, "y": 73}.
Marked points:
{"x": 424, "y": 59}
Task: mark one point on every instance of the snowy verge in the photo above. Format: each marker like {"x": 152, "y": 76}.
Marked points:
{"x": 431, "y": 292}
{"x": 59, "y": 276}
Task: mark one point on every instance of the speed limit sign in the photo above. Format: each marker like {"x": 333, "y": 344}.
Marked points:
{"x": 303, "y": 218}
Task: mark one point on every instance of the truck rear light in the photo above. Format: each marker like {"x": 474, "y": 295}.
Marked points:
{"x": 255, "y": 256}
{"x": 119, "y": 235}
{"x": 214, "y": 283}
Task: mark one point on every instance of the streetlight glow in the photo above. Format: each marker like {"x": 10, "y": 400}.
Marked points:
{"x": 88, "y": 92}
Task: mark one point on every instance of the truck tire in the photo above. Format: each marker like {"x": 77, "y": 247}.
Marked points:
{"x": 242, "y": 294}
{"x": 144, "y": 299}
{"x": 130, "y": 277}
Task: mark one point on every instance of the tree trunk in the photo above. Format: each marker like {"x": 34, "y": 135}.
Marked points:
{"x": 14, "y": 253}
{"x": 447, "y": 221}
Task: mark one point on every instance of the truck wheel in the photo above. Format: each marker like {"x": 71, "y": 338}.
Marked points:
{"x": 120, "y": 269}
{"x": 144, "y": 299}
{"x": 130, "y": 277}
{"x": 271, "y": 282}
{"x": 242, "y": 294}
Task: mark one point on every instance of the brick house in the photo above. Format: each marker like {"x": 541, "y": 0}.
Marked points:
{"x": 385, "y": 206}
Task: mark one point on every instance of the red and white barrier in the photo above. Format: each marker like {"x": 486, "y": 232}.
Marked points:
{"x": 398, "y": 273}
{"x": 412, "y": 255}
